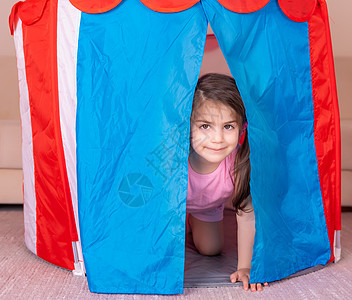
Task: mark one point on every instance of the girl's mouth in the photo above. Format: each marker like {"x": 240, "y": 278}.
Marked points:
{"x": 216, "y": 150}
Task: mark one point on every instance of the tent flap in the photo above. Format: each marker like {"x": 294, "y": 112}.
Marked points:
{"x": 29, "y": 11}
{"x": 134, "y": 99}
{"x": 273, "y": 72}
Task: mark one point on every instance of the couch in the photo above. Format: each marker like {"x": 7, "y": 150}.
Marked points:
{"x": 10, "y": 134}
{"x": 10, "y": 128}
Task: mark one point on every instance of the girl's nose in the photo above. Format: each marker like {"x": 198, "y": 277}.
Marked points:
{"x": 217, "y": 136}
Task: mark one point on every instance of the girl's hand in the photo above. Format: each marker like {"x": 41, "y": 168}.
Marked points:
{"x": 243, "y": 275}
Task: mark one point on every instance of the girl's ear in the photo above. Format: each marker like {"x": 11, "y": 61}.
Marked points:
{"x": 243, "y": 133}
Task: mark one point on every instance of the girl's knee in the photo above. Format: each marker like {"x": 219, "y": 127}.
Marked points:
{"x": 208, "y": 237}
{"x": 209, "y": 249}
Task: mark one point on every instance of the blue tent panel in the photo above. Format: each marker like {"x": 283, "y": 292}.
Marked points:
{"x": 268, "y": 55}
{"x": 136, "y": 74}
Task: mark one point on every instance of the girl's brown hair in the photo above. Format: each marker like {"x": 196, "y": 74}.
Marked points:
{"x": 223, "y": 88}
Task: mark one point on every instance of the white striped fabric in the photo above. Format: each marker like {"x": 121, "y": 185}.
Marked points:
{"x": 67, "y": 43}
{"x": 29, "y": 196}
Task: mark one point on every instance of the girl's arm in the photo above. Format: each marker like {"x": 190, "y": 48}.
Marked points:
{"x": 245, "y": 241}
{"x": 245, "y": 236}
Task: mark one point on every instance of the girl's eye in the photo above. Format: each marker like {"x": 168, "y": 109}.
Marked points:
{"x": 228, "y": 127}
{"x": 205, "y": 126}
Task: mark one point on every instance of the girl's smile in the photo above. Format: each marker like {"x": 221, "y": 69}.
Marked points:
{"x": 216, "y": 150}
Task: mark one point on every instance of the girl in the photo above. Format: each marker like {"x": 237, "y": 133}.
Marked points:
{"x": 218, "y": 169}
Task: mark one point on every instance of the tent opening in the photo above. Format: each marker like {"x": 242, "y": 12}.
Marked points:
{"x": 200, "y": 270}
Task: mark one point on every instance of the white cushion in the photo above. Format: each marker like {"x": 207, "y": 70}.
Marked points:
{"x": 11, "y": 191}
{"x": 346, "y": 162}
{"x": 346, "y": 188}
{"x": 10, "y": 144}
{"x": 346, "y": 144}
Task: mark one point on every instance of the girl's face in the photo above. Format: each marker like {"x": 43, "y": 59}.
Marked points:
{"x": 215, "y": 131}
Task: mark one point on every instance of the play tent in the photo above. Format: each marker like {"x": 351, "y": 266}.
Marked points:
{"x": 106, "y": 91}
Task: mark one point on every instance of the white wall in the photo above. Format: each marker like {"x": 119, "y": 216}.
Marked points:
{"x": 6, "y": 41}
{"x": 340, "y": 12}
{"x": 9, "y": 99}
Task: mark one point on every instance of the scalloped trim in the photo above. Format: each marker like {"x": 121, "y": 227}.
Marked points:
{"x": 243, "y": 6}
{"x": 152, "y": 4}
{"x": 97, "y": 7}
{"x": 31, "y": 11}
{"x": 300, "y": 11}
{"x": 94, "y": 6}
{"x": 301, "y": 15}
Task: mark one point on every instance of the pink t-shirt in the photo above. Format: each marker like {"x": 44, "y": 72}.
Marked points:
{"x": 207, "y": 193}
